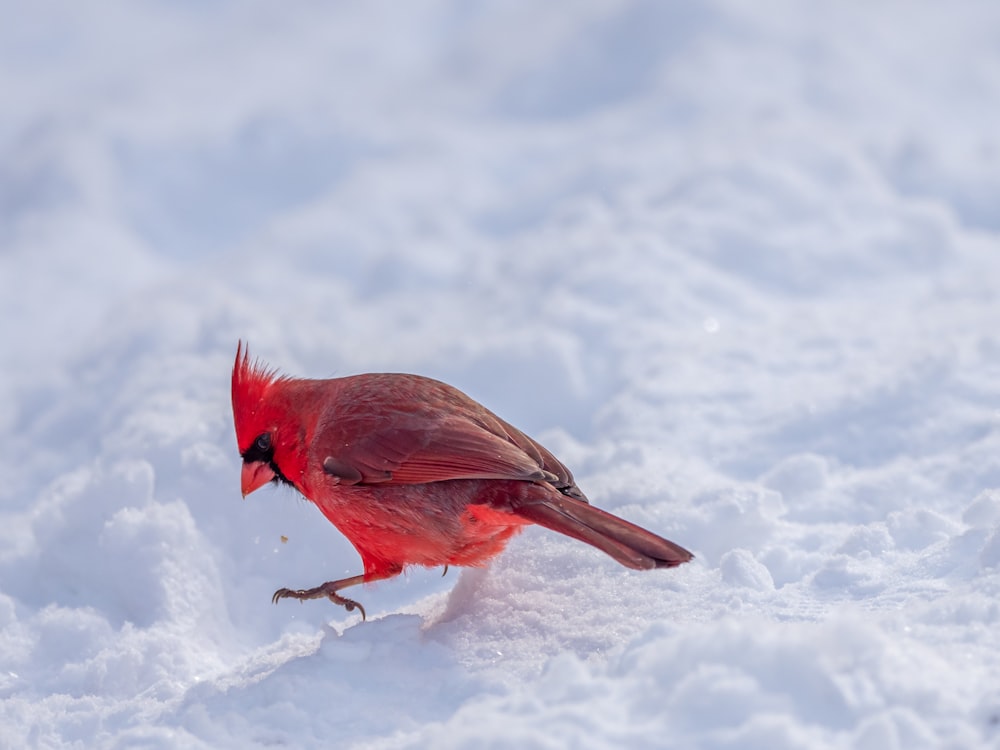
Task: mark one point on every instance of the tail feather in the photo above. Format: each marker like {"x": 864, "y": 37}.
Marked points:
{"x": 631, "y": 545}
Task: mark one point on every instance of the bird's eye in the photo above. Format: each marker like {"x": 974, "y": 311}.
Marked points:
{"x": 263, "y": 442}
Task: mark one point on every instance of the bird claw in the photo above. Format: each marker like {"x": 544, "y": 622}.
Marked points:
{"x": 318, "y": 593}
{"x": 349, "y": 604}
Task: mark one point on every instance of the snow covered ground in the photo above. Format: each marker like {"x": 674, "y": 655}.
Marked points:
{"x": 737, "y": 264}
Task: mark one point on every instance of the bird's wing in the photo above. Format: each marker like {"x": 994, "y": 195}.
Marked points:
{"x": 417, "y": 451}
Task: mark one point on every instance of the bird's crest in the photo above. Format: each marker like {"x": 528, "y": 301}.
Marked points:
{"x": 251, "y": 379}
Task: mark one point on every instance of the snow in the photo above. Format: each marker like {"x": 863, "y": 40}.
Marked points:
{"x": 735, "y": 263}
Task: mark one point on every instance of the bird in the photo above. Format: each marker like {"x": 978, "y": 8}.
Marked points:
{"x": 412, "y": 471}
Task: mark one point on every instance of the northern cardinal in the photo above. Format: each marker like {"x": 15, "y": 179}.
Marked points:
{"x": 414, "y": 472}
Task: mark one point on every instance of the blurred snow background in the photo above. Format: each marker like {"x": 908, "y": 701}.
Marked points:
{"x": 735, "y": 263}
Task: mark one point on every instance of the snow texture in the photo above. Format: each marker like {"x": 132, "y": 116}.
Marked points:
{"x": 735, "y": 263}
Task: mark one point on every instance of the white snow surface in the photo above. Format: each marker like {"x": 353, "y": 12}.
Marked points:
{"x": 735, "y": 263}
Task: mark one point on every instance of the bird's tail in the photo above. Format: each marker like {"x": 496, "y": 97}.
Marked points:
{"x": 631, "y": 545}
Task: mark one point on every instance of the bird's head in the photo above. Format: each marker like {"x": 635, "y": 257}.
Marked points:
{"x": 266, "y": 433}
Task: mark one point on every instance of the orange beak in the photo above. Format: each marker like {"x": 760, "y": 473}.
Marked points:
{"x": 254, "y": 476}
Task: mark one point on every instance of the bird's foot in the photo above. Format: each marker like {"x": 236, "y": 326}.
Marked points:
{"x": 327, "y": 590}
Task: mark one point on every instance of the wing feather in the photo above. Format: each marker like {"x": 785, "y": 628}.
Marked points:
{"x": 407, "y": 429}
{"x": 450, "y": 448}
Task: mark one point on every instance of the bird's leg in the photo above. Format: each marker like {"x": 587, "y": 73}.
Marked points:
{"x": 329, "y": 591}
{"x": 445, "y": 572}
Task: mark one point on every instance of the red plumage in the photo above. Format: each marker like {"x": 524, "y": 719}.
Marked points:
{"x": 414, "y": 472}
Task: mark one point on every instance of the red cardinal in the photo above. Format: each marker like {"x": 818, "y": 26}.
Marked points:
{"x": 414, "y": 472}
